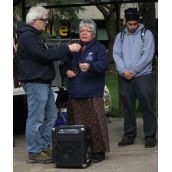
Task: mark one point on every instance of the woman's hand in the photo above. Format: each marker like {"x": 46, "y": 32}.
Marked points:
{"x": 70, "y": 73}
{"x": 84, "y": 67}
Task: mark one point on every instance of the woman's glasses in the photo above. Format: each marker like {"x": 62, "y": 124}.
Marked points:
{"x": 85, "y": 31}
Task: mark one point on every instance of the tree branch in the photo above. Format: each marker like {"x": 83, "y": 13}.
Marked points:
{"x": 106, "y": 10}
{"x": 103, "y": 10}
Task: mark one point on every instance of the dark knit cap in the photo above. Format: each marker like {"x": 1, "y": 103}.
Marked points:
{"x": 131, "y": 14}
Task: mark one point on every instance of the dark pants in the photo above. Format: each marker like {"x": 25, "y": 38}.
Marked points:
{"x": 143, "y": 89}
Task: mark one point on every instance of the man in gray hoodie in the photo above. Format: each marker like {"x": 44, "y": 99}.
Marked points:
{"x": 133, "y": 53}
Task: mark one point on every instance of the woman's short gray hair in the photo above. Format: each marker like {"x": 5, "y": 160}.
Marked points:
{"x": 36, "y": 12}
{"x": 88, "y": 23}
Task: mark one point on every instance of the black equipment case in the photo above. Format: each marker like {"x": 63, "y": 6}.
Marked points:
{"x": 72, "y": 146}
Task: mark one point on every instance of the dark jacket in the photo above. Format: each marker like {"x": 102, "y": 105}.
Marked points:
{"x": 90, "y": 83}
{"x": 34, "y": 59}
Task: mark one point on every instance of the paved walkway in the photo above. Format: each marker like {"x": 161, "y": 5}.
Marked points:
{"x": 133, "y": 158}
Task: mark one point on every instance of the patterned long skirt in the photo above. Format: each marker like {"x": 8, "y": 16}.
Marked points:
{"x": 90, "y": 112}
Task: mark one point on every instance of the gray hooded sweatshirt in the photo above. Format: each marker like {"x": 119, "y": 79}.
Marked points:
{"x": 134, "y": 54}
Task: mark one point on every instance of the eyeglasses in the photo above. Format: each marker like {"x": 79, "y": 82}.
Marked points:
{"x": 85, "y": 30}
{"x": 45, "y": 20}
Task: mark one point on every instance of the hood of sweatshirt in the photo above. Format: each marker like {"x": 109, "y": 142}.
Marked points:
{"x": 136, "y": 31}
{"x": 23, "y": 27}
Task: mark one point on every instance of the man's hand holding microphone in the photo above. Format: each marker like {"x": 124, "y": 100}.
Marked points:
{"x": 74, "y": 47}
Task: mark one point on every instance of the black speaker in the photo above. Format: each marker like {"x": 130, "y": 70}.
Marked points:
{"x": 72, "y": 146}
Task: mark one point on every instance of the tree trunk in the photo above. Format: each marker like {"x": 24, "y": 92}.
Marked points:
{"x": 111, "y": 32}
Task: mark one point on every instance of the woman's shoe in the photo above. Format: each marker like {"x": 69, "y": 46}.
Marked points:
{"x": 98, "y": 157}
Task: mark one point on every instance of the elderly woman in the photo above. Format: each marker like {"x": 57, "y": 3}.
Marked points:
{"x": 86, "y": 75}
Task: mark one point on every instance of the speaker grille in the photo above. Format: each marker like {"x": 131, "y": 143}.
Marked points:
{"x": 72, "y": 149}
{"x": 70, "y": 152}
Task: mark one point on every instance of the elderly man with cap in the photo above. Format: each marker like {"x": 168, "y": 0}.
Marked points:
{"x": 133, "y": 53}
